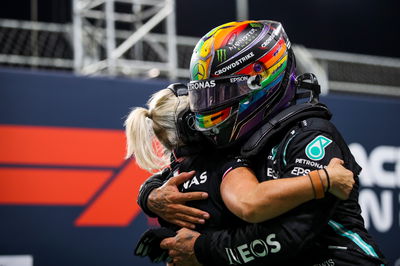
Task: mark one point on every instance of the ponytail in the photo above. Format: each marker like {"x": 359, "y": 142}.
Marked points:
{"x": 143, "y": 126}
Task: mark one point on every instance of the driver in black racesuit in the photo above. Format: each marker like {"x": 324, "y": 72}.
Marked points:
{"x": 281, "y": 138}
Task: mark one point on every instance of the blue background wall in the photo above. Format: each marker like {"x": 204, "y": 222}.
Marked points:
{"x": 50, "y": 233}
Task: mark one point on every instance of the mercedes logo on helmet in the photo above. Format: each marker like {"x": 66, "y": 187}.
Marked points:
{"x": 201, "y": 72}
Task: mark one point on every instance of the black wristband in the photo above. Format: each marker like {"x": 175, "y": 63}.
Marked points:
{"x": 327, "y": 179}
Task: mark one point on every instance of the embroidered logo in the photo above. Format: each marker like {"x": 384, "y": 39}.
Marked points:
{"x": 315, "y": 150}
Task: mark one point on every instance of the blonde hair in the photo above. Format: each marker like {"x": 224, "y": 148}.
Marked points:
{"x": 159, "y": 120}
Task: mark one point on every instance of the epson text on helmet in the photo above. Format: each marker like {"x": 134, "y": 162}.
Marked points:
{"x": 234, "y": 64}
{"x": 201, "y": 84}
{"x": 238, "y": 79}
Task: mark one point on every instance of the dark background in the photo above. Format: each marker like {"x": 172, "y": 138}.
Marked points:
{"x": 356, "y": 26}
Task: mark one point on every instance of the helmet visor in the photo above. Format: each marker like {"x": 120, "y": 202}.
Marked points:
{"x": 209, "y": 94}
{"x": 205, "y": 122}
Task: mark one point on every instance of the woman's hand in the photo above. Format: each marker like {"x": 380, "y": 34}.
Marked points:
{"x": 341, "y": 179}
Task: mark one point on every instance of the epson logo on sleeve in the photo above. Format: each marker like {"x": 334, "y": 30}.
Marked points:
{"x": 299, "y": 171}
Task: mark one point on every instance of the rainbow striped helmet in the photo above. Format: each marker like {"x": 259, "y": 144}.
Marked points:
{"x": 242, "y": 74}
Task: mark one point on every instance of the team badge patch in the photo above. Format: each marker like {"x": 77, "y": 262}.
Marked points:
{"x": 315, "y": 150}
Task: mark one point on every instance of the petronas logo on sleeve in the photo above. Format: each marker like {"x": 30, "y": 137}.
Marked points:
{"x": 315, "y": 150}
{"x": 221, "y": 55}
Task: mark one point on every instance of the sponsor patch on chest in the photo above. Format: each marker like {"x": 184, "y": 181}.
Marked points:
{"x": 195, "y": 181}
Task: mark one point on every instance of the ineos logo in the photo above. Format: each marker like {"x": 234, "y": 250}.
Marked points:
{"x": 257, "y": 248}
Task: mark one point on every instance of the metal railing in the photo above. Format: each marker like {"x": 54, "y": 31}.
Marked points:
{"x": 51, "y": 46}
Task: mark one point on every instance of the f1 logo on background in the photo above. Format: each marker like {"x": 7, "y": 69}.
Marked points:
{"x": 55, "y": 166}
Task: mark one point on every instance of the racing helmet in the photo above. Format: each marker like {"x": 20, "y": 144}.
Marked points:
{"x": 242, "y": 74}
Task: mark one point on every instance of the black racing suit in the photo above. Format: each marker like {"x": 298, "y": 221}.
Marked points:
{"x": 211, "y": 166}
{"x": 319, "y": 232}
